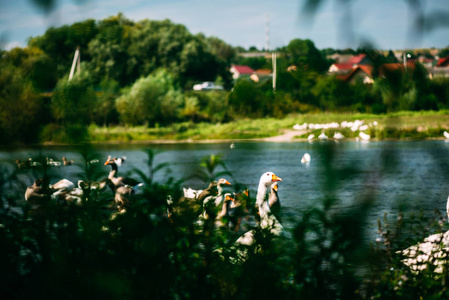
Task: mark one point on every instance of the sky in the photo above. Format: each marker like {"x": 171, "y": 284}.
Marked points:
{"x": 384, "y": 24}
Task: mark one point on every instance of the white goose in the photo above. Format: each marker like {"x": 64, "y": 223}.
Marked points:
{"x": 364, "y": 136}
{"x": 322, "y": 136}
{"x": 267, "y": 219}
{"x": 338, "y": 136}
{"x": 305, "y": 158}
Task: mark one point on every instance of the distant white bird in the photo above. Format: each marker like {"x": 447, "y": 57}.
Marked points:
{"x": 311, "y": 137}
{"x": 232, "y": 146}
{"x": 338, "y": 136}
{"x": 446, "y": 134}
{"x": 322, "y": 136}
{"x": 364, "y": 136}
{"x": 305, "y": 158}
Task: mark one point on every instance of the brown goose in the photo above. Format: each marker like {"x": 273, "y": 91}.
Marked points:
{"x": 190, "y": 208}
{"x": 66, "y": 162}
{"x": 222, "y": 218}
{"x": 118, "y": 181}
{"x": 274, "y": 202}
{"x": 36, "y": 194}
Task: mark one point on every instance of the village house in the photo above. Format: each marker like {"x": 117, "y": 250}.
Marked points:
{"x": 239, "y": 71}
{"x": 346, "y": 67}
{"x": 441, "y": 69}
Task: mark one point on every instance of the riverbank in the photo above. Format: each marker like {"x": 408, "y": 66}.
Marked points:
{"x": 403, "y": 126}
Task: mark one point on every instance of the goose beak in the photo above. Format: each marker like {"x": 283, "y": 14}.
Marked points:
{"x": 274, "y": 178}
{"x": 227, "y": 182}
{"x": 106, "y": 163}
{"x": 229, "y": 198}
{"x": 275, "y": 187}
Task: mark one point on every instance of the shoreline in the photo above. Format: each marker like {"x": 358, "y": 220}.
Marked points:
{"x": 287, "y": 137}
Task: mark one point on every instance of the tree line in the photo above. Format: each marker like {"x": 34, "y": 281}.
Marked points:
{"x": 142, "y": 73}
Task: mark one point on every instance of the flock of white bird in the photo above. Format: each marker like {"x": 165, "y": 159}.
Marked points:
{"x": 357, "y": 125}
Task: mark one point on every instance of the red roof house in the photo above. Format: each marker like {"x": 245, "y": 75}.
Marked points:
{"x": 239, "y": 71}
{"x": 443, "y": 62}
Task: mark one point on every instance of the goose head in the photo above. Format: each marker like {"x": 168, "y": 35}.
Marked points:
{"x": 266, "y": 180}
{"x": 222, "y": 182}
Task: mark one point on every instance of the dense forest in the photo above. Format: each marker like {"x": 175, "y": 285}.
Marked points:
{"x": 142, "y": 73}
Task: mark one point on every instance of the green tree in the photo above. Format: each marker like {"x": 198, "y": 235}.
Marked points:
{"x": 60, "y": 43}
{"x": 104, "y": 112}
{"x": 19, "y": 106}
{"x": 153, "y": 99}
{"x": 73, "y": 101}
{"x": 248, "y": 99}
{"x": 303, "y": 53}
{"x": 34, "y": 65}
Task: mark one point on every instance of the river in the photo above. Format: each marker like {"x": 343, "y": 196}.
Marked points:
{"x": 409, "y": 175}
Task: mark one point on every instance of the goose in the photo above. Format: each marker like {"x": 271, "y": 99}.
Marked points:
{"x": 191, "y": 193}
{"x": 220, "y": 185}
{"x": 322, "y": 136}
{"x": 119, "y": 181}
{"x": 53, "y": 163}
{"x": 338, "y": 136}
{"x": 222, "y": 217}
{"x": 23, "y": 164}
{"x": 274, "y": 202}
{"x": 364, "y": 136}
{"x": 446, "y": 134}
{"x": 66, "y": 162}
{"x": 64, "y": 185}
{"x": 311, "y": 137}
{"x": 305, "y": 158}
{"x": 232, "y": 146}
{"x": 267, "y": 219}
{"x": 191, "y": 207}
{"x": 212, "y": 203}
{"x": 84, "y": 190}
{"x": 36, "y": 194}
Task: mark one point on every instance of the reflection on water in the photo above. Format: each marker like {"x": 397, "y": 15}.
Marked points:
{"x": 415, "y": 177}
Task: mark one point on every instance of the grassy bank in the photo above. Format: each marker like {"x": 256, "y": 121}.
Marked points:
{"x": 418, "y": 125}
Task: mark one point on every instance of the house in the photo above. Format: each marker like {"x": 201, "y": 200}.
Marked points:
{"x": 350, "y": 64}
{"x": 239, "y": 71}
{"x": 386, "y": 69}
{"x": 361, "y": 59}
{"x": 441, "y": 69}
{"x": 443, "y": 62}
{"x": 340, "y": 58}
{"x": 363, "y": 73}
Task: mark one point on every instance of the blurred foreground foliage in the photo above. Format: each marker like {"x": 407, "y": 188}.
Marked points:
{"x": 91, "y": 252}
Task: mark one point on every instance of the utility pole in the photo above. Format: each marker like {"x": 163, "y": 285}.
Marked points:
{"x": 76, "y": 59}
{"x": 267, "y": 32}
{"x": 273, "y": 57}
